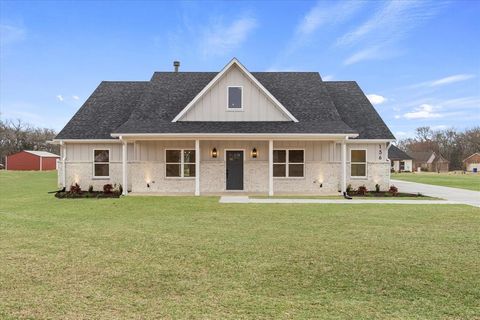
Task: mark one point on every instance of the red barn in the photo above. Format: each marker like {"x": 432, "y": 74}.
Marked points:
{"x": 31, "y": 160}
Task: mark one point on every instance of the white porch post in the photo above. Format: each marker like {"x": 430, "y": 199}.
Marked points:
{"x": 270, "y": 167}
{"x": 124, "y": 168}
{"x": 41, "y": 163}
{"x": 197, "y": 167}
{"x": 344, "y": 167}
{"x": 64, "y": 166}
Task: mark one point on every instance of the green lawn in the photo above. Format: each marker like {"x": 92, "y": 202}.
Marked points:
{"x": 190, "y": 258}
{"x": 458, "y": 180}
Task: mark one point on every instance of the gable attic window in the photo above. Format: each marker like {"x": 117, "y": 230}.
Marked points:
{"x": 235, "y": 97}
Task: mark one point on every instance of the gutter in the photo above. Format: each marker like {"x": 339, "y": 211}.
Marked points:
{"x": 231, "y": 136}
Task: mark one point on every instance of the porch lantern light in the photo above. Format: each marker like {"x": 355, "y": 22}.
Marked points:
{"x": 214, "y": 152}
{"x": 254, "y": 153}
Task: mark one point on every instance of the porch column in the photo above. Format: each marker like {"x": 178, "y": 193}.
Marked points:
{"x": 343, "y": 182}
{"x": 197, "y": 167}
{"x": 64, "y": 165}
{"x": 270, "y": 167}
{"x": 124, "y": 168}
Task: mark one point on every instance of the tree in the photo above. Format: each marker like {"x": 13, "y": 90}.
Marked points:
{"x": 16, "y": 136}
{"x": 451, "y": 144}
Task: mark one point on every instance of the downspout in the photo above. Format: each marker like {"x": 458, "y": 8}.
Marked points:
{"x": 389, "y": 144}
{"x": 124, "y": 167}
{"x": 344, "y": 169}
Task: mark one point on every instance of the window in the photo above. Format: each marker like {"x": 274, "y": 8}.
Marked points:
{"x": 101, "y": 163}
{"x": 180, "y": 163}
{"x": 358, "y": 163}
{"x": 235, "y": 98}
{"x": 402, "y": 166}
{"x": 288, "y": 163}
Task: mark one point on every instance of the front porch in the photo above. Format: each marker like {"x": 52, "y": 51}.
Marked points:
{"x": 262, "y": 167}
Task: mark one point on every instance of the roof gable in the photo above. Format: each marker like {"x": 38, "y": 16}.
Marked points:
{"x": 394, "y": 153}
{"x": 473, "y": 158}
{"x": 211, "y": 100}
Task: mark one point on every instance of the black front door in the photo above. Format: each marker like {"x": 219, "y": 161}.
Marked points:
{"x": 234, "y": 170}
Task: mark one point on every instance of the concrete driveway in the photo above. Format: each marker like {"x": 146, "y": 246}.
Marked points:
{"x": 452, "y": 194}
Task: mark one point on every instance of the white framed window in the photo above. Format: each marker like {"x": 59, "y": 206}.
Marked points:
{"x": 101, "y": 163}
{"x": 358, "y": 163}
{"x": 179, "y": 163}
{"x": 235, "y": 98}
{"x": 288, "y": 163}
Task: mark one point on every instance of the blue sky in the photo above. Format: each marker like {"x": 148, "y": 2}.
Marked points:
{"x": 419, "y": 62}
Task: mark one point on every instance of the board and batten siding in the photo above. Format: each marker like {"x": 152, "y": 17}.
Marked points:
{"x": 83, "y": 152}
{"x": 213, "y": 105}
{"x": 154, "y": 151}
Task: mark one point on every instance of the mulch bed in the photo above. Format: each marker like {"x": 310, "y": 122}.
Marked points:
{"x": 93, "y": 194}
{"x": 386, "y": 194}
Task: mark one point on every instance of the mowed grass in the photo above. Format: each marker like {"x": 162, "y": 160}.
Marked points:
{"x": 193, "y": 258}
{"x": 455, "y": 180}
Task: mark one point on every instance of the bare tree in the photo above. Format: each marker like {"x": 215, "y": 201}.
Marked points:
{"x": 16, "y": 135}
{"x": 451, "y": 144}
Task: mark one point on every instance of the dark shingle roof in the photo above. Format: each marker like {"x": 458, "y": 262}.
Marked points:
{"x": 106, "y": 109}
{"x": 357, "y": 111}
{"x": 421, "y": 156}
{"x": 394, "y": 153}
{"x": 149, "y": 107}
{"x": 301, "y": 93}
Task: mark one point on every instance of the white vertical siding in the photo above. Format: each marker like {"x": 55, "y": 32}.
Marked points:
{"x": 213, "y": 105}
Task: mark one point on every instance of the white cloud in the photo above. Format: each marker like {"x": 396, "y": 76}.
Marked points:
{"x": 321, "y": 15}
{"x": 10, "y": 34}
{"x": 328, "y": 77}
{"x": 75, "y": 97}
{"x": 450, "y": 79}
{"x": 393, "y": 21}
{"x": 424, "y": 111}
{"x": 60, "y": 97}
{"x": 397, "y": 116}
{"x": 376, "y": 99}
{"x": 219, "y": 39}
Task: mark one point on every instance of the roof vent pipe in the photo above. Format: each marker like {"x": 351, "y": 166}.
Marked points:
{"x": 176, "y": 65}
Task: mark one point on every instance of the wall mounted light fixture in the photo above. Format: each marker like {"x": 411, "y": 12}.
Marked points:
{"x": 214, "y": 153}
{"x": 254, "y": 153}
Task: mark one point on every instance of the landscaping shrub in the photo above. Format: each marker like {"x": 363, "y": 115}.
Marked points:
{"x": 393, "y": 190}
{"x": 75, "y": 188}
{"x": 117, "y": 188}
{"x": 108, "y": 188}
{"x": 377, "y": 188}
{"x": 349, "y": 189}
{"x": 90, "y": 188}
{"x": 362, "y": 190}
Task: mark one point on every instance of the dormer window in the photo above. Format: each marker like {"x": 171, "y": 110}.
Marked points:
{"x": 235, "y": 98}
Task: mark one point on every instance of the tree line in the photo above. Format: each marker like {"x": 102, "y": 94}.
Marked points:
{"x": 453, "y": 145}
{"x": 16, "y": 135}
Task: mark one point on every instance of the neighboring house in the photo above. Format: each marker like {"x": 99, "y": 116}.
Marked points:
{"x": 400, "y": 161}
{"x": 472, "y": 163}
{"x": 233, "y": 130}
{"x": 31, "y": 160}
{"x": 429, "y": 161}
